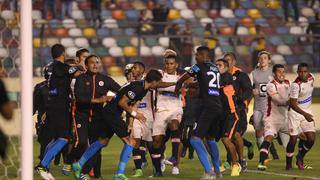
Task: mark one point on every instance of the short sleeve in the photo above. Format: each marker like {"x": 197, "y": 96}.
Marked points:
{"x": 294, "y": 90}
{"x": 132, "y": 92}
{"x": 271, "y": 89}
{"x": 194, "y": 70}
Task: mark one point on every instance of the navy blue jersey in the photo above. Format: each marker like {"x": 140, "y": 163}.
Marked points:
{"x": 133, "y": 90}
{"x": 208, "y": 77}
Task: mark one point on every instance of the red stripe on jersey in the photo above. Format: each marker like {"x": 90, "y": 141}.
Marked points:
{"x": 269, "y": 106}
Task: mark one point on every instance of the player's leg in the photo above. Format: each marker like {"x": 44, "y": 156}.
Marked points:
{"x": 294, "y": 126}
{"x": 264, "y": 152}
{"x": 258, "y": 127}
{"x": 196, "y": 140}
{"x": 156, "y": 151}
{"x": 175, "y": 140}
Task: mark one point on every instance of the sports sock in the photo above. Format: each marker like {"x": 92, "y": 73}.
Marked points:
{"x": 93, "y": 148}
{"x": 156, "y": 158}
{"x": 290, "y": 153}
{"x": 264, "y": 151}
{"x": 306, "y": 146}
{"x": 259, "y": 141}
{"x": 246, "y": 143}
{"x": 137, "y": 158}
{"x": 273, "y": 151}
{"x": 53, "y": 150}
{"x": 124, "y": 158}
{"x": 175, "y": 140}
{"x": 215, "y": 157}
{"x": 143, "y": 149}
{"x": 202, "y": 154}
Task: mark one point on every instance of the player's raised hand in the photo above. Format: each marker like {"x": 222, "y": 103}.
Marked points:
{"x": 308, "y": 117}
{"x": 141, "y": 117}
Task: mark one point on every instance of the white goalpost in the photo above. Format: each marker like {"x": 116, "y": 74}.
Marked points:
{"x": 26, "y": 91}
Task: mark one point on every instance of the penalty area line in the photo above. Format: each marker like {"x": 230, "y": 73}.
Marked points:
{"x": 281, "y": 174}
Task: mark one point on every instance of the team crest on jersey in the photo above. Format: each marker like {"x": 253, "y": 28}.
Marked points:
{"x": 131, "y": 95}
{"x": 101, "y": 83}
{"x": 87, "y": 83}
{"x": 234, "y": 78}
{"x": 72, "y": 70}
{"x": 78, "y": 126}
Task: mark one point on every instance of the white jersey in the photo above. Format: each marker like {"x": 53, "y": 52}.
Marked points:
{"x": 259, "y": 80}
{"x": 302, "y": 91}
{"x": 145, "y": 104}
{"x": 278, "y": 96}
{"x": 166, "y": 96}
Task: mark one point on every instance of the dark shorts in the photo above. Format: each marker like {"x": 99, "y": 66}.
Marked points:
{"x": 59, "y": 121}
{"x": 112, "y": 123}
{"x": 192, "y": 111}
{"x": 208, "y": 123}
{"x": 228, "y": 126}
{"x": 242, "y": 123}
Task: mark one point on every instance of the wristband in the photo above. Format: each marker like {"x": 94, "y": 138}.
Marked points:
{"x": 133, "y": 113}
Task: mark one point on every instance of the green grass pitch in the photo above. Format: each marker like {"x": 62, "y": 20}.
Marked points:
{"x": 192, "y": 169}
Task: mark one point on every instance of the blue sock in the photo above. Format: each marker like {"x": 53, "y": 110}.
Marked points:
{"x": 93, "y": 148}
{"x": 215, "y": 157}
{"x": 48, "y": 146}
{"x": 52, "y": 151}
{"x": 124, "y": 158}
{"x": 202, "y": 153}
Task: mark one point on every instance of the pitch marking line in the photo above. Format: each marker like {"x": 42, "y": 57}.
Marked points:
{"x": 284, "y": 175}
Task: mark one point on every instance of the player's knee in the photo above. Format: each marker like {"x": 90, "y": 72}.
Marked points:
{"x": 104, "y": 141}
{"x": 157, "y": 141}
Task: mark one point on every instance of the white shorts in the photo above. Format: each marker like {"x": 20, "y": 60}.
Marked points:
{"x": 274, "y": 124}
{"x": 143, "y": 130}
{"x": 258, "y": 120}
{"x": 163, "y": 118}
{"x": 297, "y": 122}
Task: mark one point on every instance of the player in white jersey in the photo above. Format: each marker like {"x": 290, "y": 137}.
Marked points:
{"x": 168, "y": 115}
{"x": 275, "y": 119}
{"x": 300, "y": 115}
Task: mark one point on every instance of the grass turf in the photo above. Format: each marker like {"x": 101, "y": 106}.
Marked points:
{"x": 192, "y": 169}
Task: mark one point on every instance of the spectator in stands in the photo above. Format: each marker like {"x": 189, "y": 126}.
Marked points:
{"x": 215, "y": 4}
{"x": 286, "y": 9}
{"x": 13, "y": 5}
{"x": 49, "y": 4}
{"x": 187, "y": 46}
{"x": 209, "y": 33}
{"x": 314, "y": 28}
{"x": 175, "y": 42}
{"x": 258, "y": 44}
{"x": 66, "y": 8}
{"x": 160, "y": 14}
{"x": 3, "y": 72}
{"x": 313, "y": 2}
{"x": 95, "y": 13}
{"x": 145, "y": 20}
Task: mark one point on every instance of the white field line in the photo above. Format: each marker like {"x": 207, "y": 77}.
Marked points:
{"x": 284, "y": 175}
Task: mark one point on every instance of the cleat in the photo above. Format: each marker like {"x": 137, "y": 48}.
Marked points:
{"x": 91, "y": 173}
{"x": 250, "y": 152}
{"x": 84, "y": 176}
{"x": 156, "y": 174}
{"x": 262, "y": 167}
{"x": 219, "y": 175}
{"x": 208, "y": 176}
{"x": 120, "y": 177}
{"x": 222, "y": 168}
{"x": 138, "y": 173}
{"x": 226, "y": 165}
{"x": 243, "y": 164}
{"x": 66, "y": 169}
{"x": 43, "y": 172}
{"x": 171, "y": 161}
{"x": 299, "y": 162}
{"x": 76, "y": 169}
{"x": 307, "y": 166}
{"x": 236, "y": 169}
{"x": 175, "y": 170}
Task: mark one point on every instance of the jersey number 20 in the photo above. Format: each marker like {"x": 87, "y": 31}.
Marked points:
{"x": 214, "y": 82}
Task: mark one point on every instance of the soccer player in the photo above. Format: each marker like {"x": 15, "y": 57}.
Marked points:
{"x": 58, "y": 108}
{"x": 81, "y": 55}
{"x": 6, "y": 110}
{"x": 128, "y": 95}
{"x": 300, "y": 115}
{"x": 243, "y": 88}
{"x": 40, "y": 100}
{"x": 259, "y": 78}
{"x": 208, "y": 76}
{"x": 230, "y": 120}
{"x": 276, "y": 115}
{"x": 168, "y": 116}
{"x": 90, "y": 91}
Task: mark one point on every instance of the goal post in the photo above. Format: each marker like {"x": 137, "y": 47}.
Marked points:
{"x": 26, "y": 90}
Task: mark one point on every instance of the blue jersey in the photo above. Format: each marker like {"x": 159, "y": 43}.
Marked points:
{"x": 208, "y": 77}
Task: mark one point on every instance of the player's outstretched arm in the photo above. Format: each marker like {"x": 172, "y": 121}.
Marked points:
{"x": 123, "y": 103}
{"x": 183, "y": 78}
{"x": 294, "y": 105}
{"x": 165, "y": 84}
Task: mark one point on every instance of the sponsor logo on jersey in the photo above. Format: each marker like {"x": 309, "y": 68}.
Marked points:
{"x": 213, "y": 92}
{"x": 142, "y": 105}
{"x": 131, "y": 95}
{"x": 72, "y": 70}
